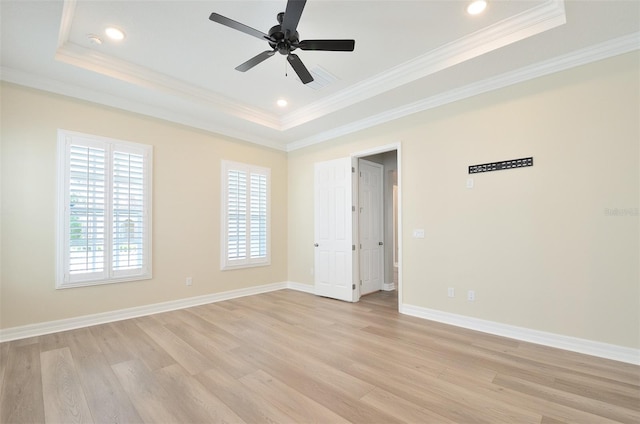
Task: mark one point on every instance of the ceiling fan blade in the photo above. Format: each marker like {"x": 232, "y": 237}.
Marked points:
{"x": 327, "y": 45}
{"x": 255, "y": 60}
{"x": 215, "y": 17}
{"x": 299, "y": 67}
{"x": 292, "y": 15}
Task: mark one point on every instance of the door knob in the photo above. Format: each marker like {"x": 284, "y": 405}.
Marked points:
{"x": 316, "y": 244}
{"x": 379, "y": 243}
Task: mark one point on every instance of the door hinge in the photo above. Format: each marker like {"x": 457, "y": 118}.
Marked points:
{"x": 353, "y": 169}
{"x": 353, "y": 286}
{"x": 353, "y": 208}
{"x": 353, "y": 247}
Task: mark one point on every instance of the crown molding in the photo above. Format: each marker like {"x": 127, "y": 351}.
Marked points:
{"x": 611, "y": 48}
{"x": 518, "y": 27}
{"x": 172, "y": 115}
{"x": 530, "y": 22}
{"x": 542, "y": 17}
{"x": 580, "y": 57}
{"x": 72, "y": 54}
{"x": 81, "y": 57}
{"x": 68, "y": 12}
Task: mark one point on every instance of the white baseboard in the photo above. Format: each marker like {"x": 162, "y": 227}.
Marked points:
{"x": 603, "y": 350}
{"x": 307, "y": 288}
{"x": 574, "y": 344}
{"x": 49, "y": 327}
{"x": 388, "y": 286}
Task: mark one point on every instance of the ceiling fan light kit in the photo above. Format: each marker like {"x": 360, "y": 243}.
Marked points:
{"x": 284, "y": 39}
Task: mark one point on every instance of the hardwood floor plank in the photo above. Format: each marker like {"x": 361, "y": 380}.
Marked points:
{"x": 22, "y": 400}
{"x": 210, "y": 348}
{"x": 4, "y": 358}
{"x": 291, "y": 357}
{"x": 192, "y": 360}
{"x": 592, "y": 406}
{"x": 107, "y": 400}
{"x": 64, "y": 400}
{"x": 401, "y": 408}
{"x": 342, "y": 399}
{"x": 250, "y": 406}
{"x": 524, "y": 401}
{"x": 485, "y": 408}
{"x": 297, "y": 406}
{"x": 549, "y": 420}
{"x": 52, "y": 341}
{"x": 223, "y": 340}
{"x": 81, "y": 342}
{"x": 203, "y": 406}
{"x": 151, "y": 400}
{"x": 599, "y": 391}
{"x": 268, "y": 353}
{"x": 141, "y": 345}
{"x": 110, "y": 343}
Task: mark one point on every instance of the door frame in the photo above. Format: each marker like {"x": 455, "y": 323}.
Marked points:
{"x": 356, "y": 224}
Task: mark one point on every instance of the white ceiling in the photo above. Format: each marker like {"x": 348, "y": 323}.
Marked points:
{"x": 176, "y": 64}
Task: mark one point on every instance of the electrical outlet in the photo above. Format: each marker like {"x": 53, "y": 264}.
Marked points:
{"x": 451, "y": 292}
{"x": 471, "y": 296}
{"x": 189, "y": 281}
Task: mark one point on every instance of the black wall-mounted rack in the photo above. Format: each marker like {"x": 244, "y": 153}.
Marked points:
{"x": 498, "y": 166}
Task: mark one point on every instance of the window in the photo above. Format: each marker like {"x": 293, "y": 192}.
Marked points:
{"x": 104, "y": 210}
{"x": 245, "y": 215}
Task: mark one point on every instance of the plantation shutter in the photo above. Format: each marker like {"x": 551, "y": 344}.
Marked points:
{"x": 245, "y": 223}
{"x": 258, "y": 215}
{"x": 237, "y": 215}
{"x": 128, "y": 211}
{"x": 104, "y": 210}
{"x": 86, "y": 207}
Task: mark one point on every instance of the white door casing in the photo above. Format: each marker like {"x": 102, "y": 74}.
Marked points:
{"x": 371, "y": 226}
{"x": 333, "y": 229}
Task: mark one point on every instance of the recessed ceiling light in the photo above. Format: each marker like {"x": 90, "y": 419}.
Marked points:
{"x": 476, "y": 7}
{"x": 281, "y": 102}
{"x": 114, "y": 33}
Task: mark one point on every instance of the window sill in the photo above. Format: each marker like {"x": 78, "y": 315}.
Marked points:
{"x": 62, "y": 286}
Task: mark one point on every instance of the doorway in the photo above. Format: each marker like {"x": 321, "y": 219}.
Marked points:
{"x": 337, "y": 233}
{"x": 377, "y": 222}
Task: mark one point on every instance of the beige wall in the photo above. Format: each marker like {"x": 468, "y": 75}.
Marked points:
{"x": 536, "y": 244}
{"x": 186, "y": 209}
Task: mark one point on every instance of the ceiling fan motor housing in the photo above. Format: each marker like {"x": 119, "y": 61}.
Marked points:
{"x": 278, "y": 40}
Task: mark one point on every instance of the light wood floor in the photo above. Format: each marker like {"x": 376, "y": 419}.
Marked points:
{"x": 290, "y": 357}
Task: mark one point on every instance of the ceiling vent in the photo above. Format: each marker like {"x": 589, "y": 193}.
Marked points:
{"x": 321, "y": 78}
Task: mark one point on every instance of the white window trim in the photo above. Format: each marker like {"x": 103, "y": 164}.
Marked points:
{"x": 225, "y": 262}
{"x": 63, "y": 278}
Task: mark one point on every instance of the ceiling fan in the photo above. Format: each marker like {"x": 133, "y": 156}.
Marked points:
{"x": 284, "y": 38}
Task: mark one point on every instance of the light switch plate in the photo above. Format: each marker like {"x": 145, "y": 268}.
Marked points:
{"x": 469, "y": 182}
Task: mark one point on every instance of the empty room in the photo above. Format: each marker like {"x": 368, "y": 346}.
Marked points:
{"x": 363, "y": 211}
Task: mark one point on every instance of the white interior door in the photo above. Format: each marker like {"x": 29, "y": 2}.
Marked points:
{"x": 333, "y": 229}
{"x": 371, "y": 226}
